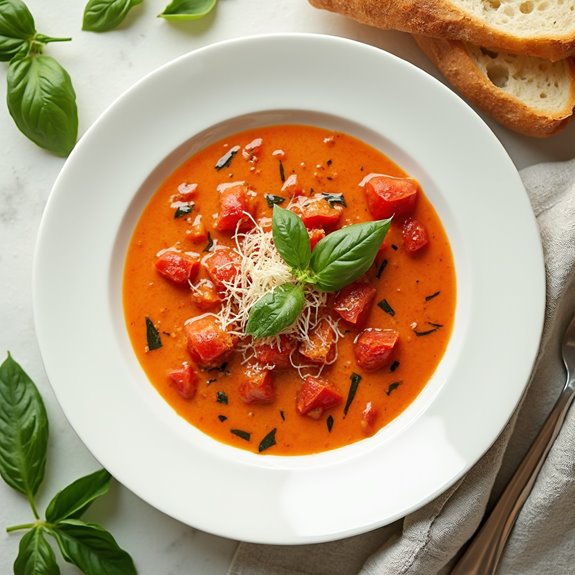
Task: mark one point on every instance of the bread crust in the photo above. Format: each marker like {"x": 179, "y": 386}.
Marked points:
{"x": 442, "y": 19}
{"x": 463, "y": 73}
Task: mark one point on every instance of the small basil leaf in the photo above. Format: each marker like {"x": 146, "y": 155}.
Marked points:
{"x": 346, "y": 254}
{"x": 35, "y": 556}
{"x": 42, "y": 102}
{"x": 74, "y": 499}
{"x": 291, "y": 238}
{"x": 187, "y": 9}
{"x": 23, "y": 430}
{"x": 16, "y": 28}
{"x": 91, "y": 548}
{"x": 104, "y": 15}
{"x": 276, "y": 310}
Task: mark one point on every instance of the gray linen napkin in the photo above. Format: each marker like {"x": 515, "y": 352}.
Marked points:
{"x": 427, "y": 541}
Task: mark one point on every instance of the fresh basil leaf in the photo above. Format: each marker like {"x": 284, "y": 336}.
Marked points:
{"x": 23, "y": 430}
{"x": 35, "y": 556}
{"x": 187, "y": 9}
{"x": 91, "y": 548}
{"x": 291, "y": 238}
{"x": 74, "y": 499}
{"x": 105, "y": 15}
{"x": 42, "y": 102}
{"x": 16, "y": 28}
{"x": 346, "y": 254}
{"x": 276, "y": 310}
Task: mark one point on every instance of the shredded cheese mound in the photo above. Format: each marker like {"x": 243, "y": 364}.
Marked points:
{"x": 261, "y": 269}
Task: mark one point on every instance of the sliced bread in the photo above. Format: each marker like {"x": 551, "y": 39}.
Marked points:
{"x": 529, "y": 95}
{"x": 543, "y": 28}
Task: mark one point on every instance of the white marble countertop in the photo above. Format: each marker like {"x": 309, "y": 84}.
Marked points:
{"x": 102, "y": 66}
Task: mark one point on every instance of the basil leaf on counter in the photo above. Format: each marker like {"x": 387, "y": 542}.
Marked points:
{"x": 105, "y": 15}
{"x": 291, "y": 238}
{"x": 91, "y": 548}
{"x": 276, "y": 310}
{"x": 23, "y": 431}
{"x": 346, "y": 254}
{"x": 16, "y": 28}
{"x": 35, "y": 556}
{"x": 42, "y": 102}
{"x": 187, "y": 9}
{"x": 73, "y": 500}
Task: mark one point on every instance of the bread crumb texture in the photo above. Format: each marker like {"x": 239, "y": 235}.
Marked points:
{"x": 539, "y": 83}
{"x": 524, "y": 17}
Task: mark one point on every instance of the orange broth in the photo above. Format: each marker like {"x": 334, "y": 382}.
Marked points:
{"x": 420, "y": 288}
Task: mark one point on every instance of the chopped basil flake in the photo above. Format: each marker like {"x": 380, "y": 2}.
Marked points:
{"x": 210, "y": 245}
{"x": 273, "y": 200}
{"x": 222, "y": 418}
{"x": 267, "y": 441}
{"x": 380, "y": 269}
{"x": 434, "y": 328}
{"x": 355, "y": 379}
{"x": 394, "y": 247}
{"x": 221, "y": 397}
{"x": 431, "y": 296}
{"x": 245, "y": 435}
{"x": 333, "y": 199}
{"x": 152, "y": 335}
{"x": 392, "y": 387}
{"x": 282, "y": 173}
{"x": 282, "y": 415}
{"x": 329, "y": 422}
{"x": 394, "y": 365}
{"x": 384, "y": 305}
{"x": 227, "y": 158}
{"x": 183, "y": 210}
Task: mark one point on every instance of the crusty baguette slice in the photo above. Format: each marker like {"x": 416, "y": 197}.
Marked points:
{"x": 543, "y": 28}
{"x": 529, "y": 95}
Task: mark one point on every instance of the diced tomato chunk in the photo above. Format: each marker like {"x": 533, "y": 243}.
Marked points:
{"x": 208, "y": 344}
{"x": 320, "y": 345}
{"x": 177, "y": 267}
{"x": 315, "y": 396}
{"x": 353, "y": 302}
{"x": 314, "y": 236}
{"x": 316, "y": 212}
{"x": 184, "y": 380}
{"x": 373, "y": 348}
{"x": 204, "y": 295}
{"x": 222, "y": 265}
{"x": 234, "y": 205}
{"x": 198, "y": 232}
{"x": 368, "y": 418}
{"x": 388, "y": 195}
{"x": 278, "y": 356}
{"x": 414, "y": 235}
{"x": 257, "y": 386}
{"x": 291, "y": 186}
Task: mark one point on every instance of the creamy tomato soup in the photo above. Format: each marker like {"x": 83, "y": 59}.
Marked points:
{"x": 204, "y": 279}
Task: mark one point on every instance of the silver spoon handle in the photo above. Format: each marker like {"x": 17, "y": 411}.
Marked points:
{"x": 484, "y": 552}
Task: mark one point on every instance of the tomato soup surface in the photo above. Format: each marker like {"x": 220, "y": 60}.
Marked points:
{"x": 371, "y": 347}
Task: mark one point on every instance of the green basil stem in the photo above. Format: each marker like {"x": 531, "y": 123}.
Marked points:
{"x": 21, "y": 526}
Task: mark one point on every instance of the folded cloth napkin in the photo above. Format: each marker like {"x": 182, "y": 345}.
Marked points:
{"x": 428, "y": 541}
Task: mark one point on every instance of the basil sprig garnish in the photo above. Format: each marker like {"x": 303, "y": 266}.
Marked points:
{"x": 40, "y": 95}
{"x": 336, "y": 261}
{"x": 104, "y": 15}
{"x": 187, "y": 9}
{"x": 24, "y": 434}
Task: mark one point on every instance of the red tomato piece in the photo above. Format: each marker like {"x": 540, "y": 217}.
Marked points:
{"x": 320, "y": 346}
{"x": 204, "y": 295}
{"x": 208, "y": 344}
{"x": 315, "y": 396}
{"x": 198, "y": 232}
{"x": 177, "y": 267}
{"x": 277, "y": 356}
{"x": 234, "y": 205}
{"x": 222, "y": 265}
{"x": 354, "y": 301}
{"x": 415, "y": 236}
{"x": 184, "y": 380}
{"x": 373, "y": 348}
{"x": 314, "y": 236}
{"x": 316, "y": 212}
{"x": 368, "y": 418}
{"x": 388, "y": 195}
{"x": 258, "y": 386}
{"x": 291, "y": 187}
